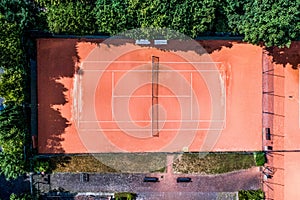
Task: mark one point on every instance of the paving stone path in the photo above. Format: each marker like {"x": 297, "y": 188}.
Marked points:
{"x": 204, "y": 186}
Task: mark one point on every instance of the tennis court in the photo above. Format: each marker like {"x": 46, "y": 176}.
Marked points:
{"x": 95, "y": 97}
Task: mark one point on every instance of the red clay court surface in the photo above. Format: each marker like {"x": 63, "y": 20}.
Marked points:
{"x": 75, "y": 106}
{"x": 285, "y": 124}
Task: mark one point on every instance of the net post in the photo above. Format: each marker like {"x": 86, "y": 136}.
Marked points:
{"x": 155, "y": 73}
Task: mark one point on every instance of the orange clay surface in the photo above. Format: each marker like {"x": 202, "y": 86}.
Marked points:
{"x": 286, "y": 132}
{"x": 75, "y": 106}
{"x": 292, "y": 132}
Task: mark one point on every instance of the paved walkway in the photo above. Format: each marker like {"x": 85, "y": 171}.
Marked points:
{"x": 210, "y": 184}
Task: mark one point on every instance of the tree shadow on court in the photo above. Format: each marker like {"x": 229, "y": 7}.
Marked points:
{"x": 203, "y": 46}
{"x": 215, "y": 45}
{"x": 57, "y": 65}
{"x": 286, "y": 55}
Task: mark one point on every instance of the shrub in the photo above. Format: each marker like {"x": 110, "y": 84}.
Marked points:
{"x": 251, "y": 195}
{"x": 19, "y": 197}
{"x": 260, "y": 158}
{"x": 125, "y": 196}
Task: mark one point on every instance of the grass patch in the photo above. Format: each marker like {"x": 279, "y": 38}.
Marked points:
{"x": 110, "y": 163}
{"x": 251, "y": 195}
{"x": 135, "y": 162}
{"x": 213, "y": 163}
{"x": 86, "y": 163}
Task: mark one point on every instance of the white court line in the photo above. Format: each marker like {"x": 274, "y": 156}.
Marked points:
{"x": 149, "y": 96}
{"x": 183, "y": 96}
{"x": 112, "y": 94}
{"x": 147, "y": 70}
{"x": 143, "y": 130}
{"x": 128, "y": 121}
{"x": 191, "y": 95}
{"x": 147, "y": 62}
{"x": 79, "y": 101}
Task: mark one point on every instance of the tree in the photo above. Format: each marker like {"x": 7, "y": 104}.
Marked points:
{"x": 13, "y": 137}
{"x": 12, "y": 85}
{"x": 274, "y": 22}
{"x": 149, "y": 13}
{"x": 71, "y": 18}
{"x": 18, "y": 11}
{"x": 188, "y": 17}
{"x": 192, "y": 17}
{"x": 15, "y": 17}
{"x": 10, "y": 44}
{"x": 111, "y": 16}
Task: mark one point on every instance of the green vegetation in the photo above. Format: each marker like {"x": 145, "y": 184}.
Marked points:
{"x": 13, "y": 140}
{"x": 260, "y": 158}
{"x": 19, "y": 197}
{"x": 125, "y": 196}
{"x": 15, "y": 17}
{"x": 72, "y": 18}
{"x": 213, "y": 163}
{"x": 275, "y": 23}
{"x": 251, "y": 195}
{"x": 85, "y": 163}
{"x": 105, "y": 163}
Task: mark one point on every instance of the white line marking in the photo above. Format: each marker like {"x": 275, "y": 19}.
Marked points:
{"x": 112, "y": 94}
{"x": 79, "y": 101}
{"x": 191, "y": 96}
{"x": 128, "y": 121}
{"x": 149, "y": 96}
{"x": 147, "y": 62}
{"x": 143, "y": 130}
{"x": 147, "y": 70}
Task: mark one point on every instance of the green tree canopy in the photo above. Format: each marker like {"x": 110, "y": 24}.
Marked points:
{"x": 12, "y": 83}
{"x": 18, "y": 11}
{"x": 112, "y": 16}
{"x": 12, "y": 140}
{"x": 274, "y": 22}
{"x": 71, "y": 18}
{"x": 10, "y": 44}
{"x": 193, "y": 18}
